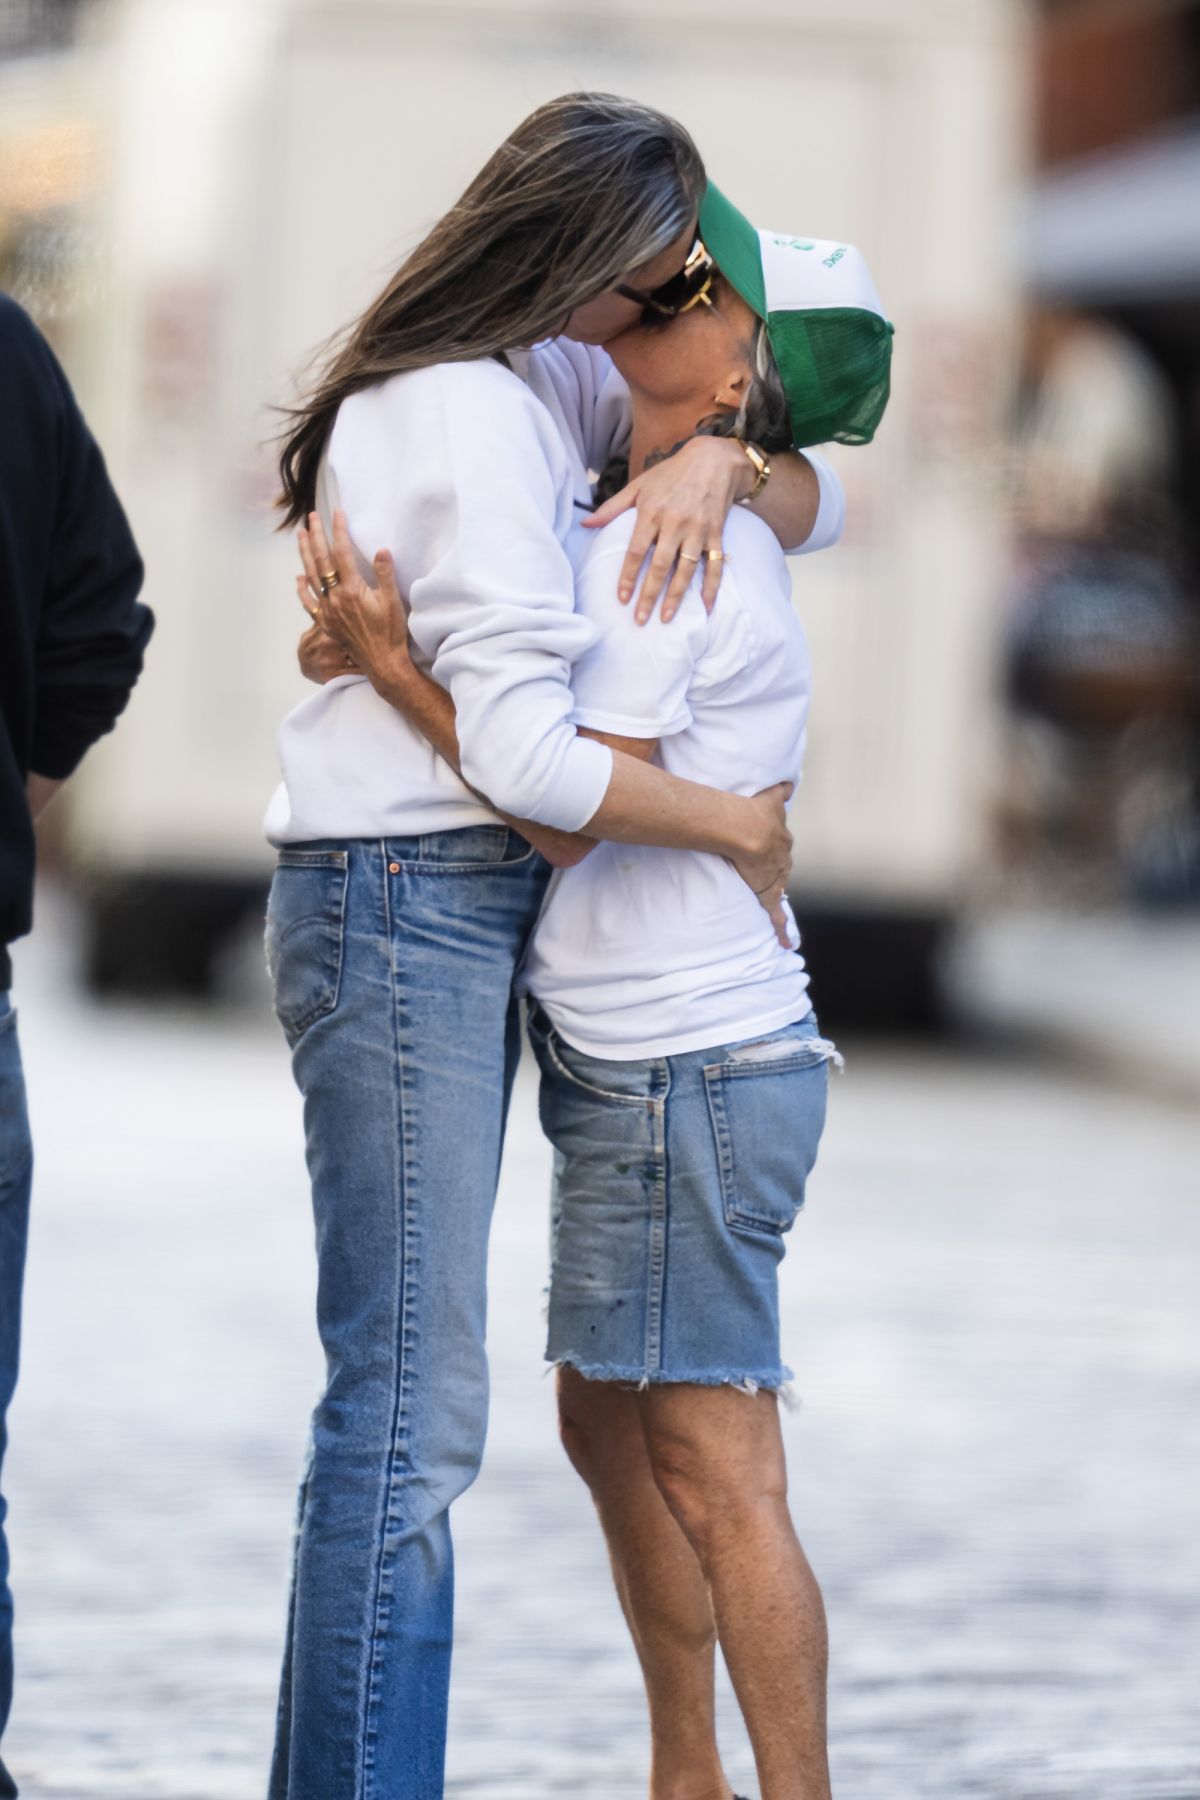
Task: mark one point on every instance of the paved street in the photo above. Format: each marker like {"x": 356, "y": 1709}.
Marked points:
{"x": 992, "y": 1307}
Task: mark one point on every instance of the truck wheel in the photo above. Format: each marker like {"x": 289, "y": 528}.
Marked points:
{"x": 150, "y": 935}
{"x": 878, "y": 970}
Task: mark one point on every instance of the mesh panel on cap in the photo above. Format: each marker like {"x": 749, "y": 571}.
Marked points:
{"x": 836, "y": 367}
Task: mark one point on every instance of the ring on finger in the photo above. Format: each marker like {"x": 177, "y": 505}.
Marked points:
{"x": 685, "y": 557}
{"x": 716, "y": 556}
{"x": 329, "y": 579}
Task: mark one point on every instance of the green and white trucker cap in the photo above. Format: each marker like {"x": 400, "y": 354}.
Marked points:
{"x": 825, "y": 322}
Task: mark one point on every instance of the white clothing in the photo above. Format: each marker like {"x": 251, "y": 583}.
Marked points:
{"x": 647, "y": 952}
{"x": 475, "y": 477}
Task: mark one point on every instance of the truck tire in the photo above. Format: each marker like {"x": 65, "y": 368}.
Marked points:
{"x": 878, "y": 970}
{"x": 160, "y": 935}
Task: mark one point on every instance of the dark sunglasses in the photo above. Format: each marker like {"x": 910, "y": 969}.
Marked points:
{"x": 690, "y": 287}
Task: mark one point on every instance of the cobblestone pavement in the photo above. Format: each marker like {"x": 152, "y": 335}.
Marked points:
{"x": 991, "y": 1302}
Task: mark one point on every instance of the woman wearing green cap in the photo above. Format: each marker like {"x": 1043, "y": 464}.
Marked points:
{"x": 683, "y": 1073}
{"x": 402, "y": 902}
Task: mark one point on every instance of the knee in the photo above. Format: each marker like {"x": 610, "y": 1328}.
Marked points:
{"x": 576, "y": 1440}
{"x": 433, "y": 1465}
{"x": 426, "y": 1453}
{"x": 595, "y": 1421}
{"x": 715, "y": 1500}
{"x": 682, "y": 1478}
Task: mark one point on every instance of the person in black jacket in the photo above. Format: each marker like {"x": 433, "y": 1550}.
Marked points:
{"x": 72, "y": 633}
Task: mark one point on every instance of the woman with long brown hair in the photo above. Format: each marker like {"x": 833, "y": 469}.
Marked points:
{"x": 403, "y": 900}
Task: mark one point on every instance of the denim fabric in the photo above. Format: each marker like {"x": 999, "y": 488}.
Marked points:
{"x": 16, "y": 1170}
{"x": 676, "y": 1180}
{"x": 393, "y": 965}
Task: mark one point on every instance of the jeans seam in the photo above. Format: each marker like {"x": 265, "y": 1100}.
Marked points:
{"x": 382, "y": 1603}
{"x": 657, "y": 1269}
{"x": 469, "y": 868}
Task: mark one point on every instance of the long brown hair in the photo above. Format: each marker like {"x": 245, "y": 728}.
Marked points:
{"x": 587, "y": 188}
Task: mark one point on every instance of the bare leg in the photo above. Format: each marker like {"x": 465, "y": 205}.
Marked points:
{"x": 717, "y": 1457}
{"x": 662, "y": 1589}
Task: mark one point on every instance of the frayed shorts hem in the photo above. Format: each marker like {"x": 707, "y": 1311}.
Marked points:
{"x": 749, "y": 1381}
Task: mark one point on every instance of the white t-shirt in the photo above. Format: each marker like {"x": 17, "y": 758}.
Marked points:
{"x": 648, "y": 952}
{"x": 475, "y": 477}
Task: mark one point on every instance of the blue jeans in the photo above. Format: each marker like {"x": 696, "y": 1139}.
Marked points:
{"x": 393, "y": 965}
{"x": 16, "y": 1170}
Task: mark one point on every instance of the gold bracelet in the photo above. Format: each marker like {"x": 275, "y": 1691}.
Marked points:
{"x": 762, "y": 469}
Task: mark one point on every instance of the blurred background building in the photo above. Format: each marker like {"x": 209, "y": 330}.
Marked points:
{"x": 1107, "y": 437}
{"x": 994, "y": 1300}
{"x": 190, "y": 219}
{"x": 1005, "y": 645}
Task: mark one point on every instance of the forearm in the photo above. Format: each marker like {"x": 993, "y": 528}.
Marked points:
{"x": 643, "y": 804}
{"x": 430, "y": 708}
{"x": 646, "y": 805}
{"x": 425, "y": 705}
{"x": 790, "y": 500}
{"x": 40, "y": 791}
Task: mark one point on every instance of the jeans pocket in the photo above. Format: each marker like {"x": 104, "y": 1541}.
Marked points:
{"x": 469, "y": 850}
{"x": 620, "y": 1083}
{"x": 306, "y": 919}
{"x": 767, "y": 1118}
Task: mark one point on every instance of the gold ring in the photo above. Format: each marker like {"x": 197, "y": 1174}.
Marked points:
{"x": 329, "y": 579}
{"x": 684, "y": 557}
{"x": 716, "y": 555}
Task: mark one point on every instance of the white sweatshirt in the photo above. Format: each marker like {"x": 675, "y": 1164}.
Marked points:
{"x": 475, "y": 476}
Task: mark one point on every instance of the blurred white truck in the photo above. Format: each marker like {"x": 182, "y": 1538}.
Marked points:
{"x": 269, "y": 163}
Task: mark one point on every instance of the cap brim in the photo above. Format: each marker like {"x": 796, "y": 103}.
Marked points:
{"x": 732, "y": 242}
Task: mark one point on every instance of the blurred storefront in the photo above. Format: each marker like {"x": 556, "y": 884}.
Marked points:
{"x": 1102, "y": 799}
{"x": 49, "y": 164}
{"x": 902, "y": 128}
{"x": 1009, "y": 698}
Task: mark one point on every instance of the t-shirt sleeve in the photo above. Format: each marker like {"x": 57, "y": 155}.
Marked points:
{"x": 457, "y": 471}
{"x": 634, "y": 680}
{"x": 831, "y": 508}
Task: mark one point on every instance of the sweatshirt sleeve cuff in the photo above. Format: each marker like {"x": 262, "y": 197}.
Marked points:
{"x": 582, "y": 782}
{"x": 58, "y": 755}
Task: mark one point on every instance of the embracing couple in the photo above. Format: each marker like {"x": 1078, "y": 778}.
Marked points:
{"x": 509, "y": 784}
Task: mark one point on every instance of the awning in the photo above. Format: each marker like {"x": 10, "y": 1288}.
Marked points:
{"x": 1122, "y": 227}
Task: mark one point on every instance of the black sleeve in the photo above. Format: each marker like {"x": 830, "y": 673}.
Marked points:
{"x": 92, "y": 630}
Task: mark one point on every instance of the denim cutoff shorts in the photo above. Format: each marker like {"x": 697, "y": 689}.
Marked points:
{"x": 676, "y": 1180}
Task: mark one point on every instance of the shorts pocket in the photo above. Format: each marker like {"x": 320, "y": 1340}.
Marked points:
{"x": 306, "y": 920}
{"x": 622, "y": 1083}
{"x": 767, "y": 1119}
